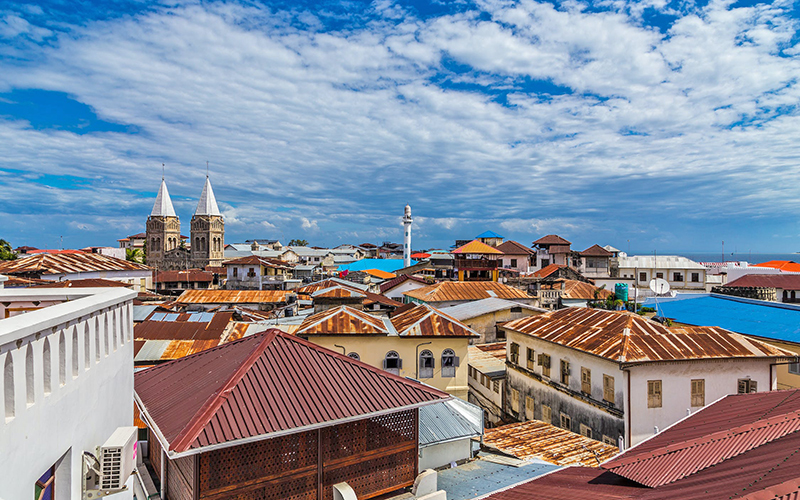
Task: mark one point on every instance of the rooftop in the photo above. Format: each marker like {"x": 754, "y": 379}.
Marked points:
{"x": 552, "y": 239}
{"x": 511, "y": 247}
{"x": 477, "y": 247}
{"x": 659, "y": 262}
{"x": 577, "y": 290}
{"x": 543, "y": 441}
{"x": 207, "y": 204}
{"x": 488, "y": 234}
{"x": 782, "y": 281}
{"x": 386, "y": 265}
{"x": 490, "y": 363}
{"x": 84, "y": 283}
{"x": 449, "y": 420}
{"x": 388, "y": 285}
{"x": 67, "y": 263}
{"x": 163, "y": 205}
{"x": 783, "y": 265}
{"x": 596, "y": 251}
{"x": 477, "y": 308}
{"x": 466, "y": 290}
{"x": 547, "y": 270}
{"x": 257, "y": 260}
{"x": 751, "y": 317}
{"x": 208, "y": 398}
{"x": 192, "y": 275}
{"x": 625, "y": 337}
{"x": 234, "y": 296}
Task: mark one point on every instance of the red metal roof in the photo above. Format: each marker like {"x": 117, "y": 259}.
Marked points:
{"x": 552, "y": 239}
{"x": 547, "y": 270}
{"x": 258, "y": 261}
{"x": 782, "y": 281}
{"x": 783, "y": 265}
{"x": 183, "y": 329}
{"x": 627, "y": 337}
{"x": 265, "y": 384}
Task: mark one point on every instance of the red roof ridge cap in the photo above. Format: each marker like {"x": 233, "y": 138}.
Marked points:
{"x": 200, "y": 419}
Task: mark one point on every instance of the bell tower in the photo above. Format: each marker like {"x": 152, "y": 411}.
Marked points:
{"x": 163, "y": 231}
{"x": 208, "y": 231}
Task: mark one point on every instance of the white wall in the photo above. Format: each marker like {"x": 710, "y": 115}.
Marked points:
{"x": 142, "y": 279}
{"x": 721, "y": 378}
{"x": 396, "y": 293}
{"x": 438, "y": 455}
{"x": 96, "y": 397}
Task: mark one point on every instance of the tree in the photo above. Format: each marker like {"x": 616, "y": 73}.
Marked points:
{"x": 134, "y": 255}
{"x": 298, "y": 243}
{"x": 6, "y": 252}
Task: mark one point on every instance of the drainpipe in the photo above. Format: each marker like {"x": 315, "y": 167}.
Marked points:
{"x": 344, "y": 351}
{"x": 628, "y": 410}
{"x": 163, "y": 474}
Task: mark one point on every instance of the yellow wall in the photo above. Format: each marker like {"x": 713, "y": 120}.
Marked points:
{"x": 373, "y": 349}
{"x": 786, "y": 380}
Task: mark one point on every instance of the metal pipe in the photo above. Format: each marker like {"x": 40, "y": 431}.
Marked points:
{"x": 163, "y": 474}
{"x": 344, "y": 351}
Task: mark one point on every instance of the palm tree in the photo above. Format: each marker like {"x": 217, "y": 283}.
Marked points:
{"x": 134, "y": 255}
{"x": 6, "y": 252}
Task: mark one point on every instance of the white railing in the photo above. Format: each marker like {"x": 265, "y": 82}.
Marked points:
{"x": 44, "y": 351}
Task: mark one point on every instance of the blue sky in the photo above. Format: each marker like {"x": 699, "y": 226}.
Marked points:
{"x": 652, "y": 125}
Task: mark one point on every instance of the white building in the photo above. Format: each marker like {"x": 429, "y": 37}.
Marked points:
{"x": 487, "y": 378}
{"x": 66, "y": 381}
{"x": 682, "y": 274}
{"x": 619, "y": 378}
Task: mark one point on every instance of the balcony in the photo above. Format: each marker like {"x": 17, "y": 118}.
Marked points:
{"x": 476, "y": 264}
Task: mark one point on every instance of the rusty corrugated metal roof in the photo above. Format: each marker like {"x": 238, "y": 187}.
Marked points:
{"x": 233, "y": 296}
{"x": 423, "y": 320}
{"x": 580, "y": 290}
{"x": 388, "y": 285}
{"x": 343, "y": 320}
{"x": 263, "y": 384}
{"x": 536, "y": 439}
{"x": 626, "y": 337}
{"x": 85, "y": 283}
{"x": 338, "y": 292}
{"x": 67, "y": 263}
{"x": 466, "y": 290}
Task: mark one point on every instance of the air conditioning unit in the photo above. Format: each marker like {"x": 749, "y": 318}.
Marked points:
{"x": 107, "y": 472}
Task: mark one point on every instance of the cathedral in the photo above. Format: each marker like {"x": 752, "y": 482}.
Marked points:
{"x": 167, "y": 249}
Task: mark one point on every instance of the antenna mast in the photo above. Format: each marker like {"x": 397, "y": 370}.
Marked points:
{"x": 162, "y": 171}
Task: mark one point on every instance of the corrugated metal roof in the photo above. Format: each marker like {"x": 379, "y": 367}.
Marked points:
{"x": 573, "y": 483}
{"x": 477, "y": 308}
{"x": 183, "y": 326}
{"x": 477, "y": 247}
{"x": 489, "y": 234}
{"x": 67, "y": 263}
{"x": 466, "y": 290}
{"x": 783, "y": 281}
{"x": 577, "y": 290}
{"x": 448, "y": 421}
{"x": 258, "y": 261}
{"x": 140, "y": 313}
{"x": 344, "y": 320}
{"x": 552, "y": 239}
{"x": 658, "y": 262}
{"x": 85, "y": 283}
{"x": 487, "y": 363}
{"x": 388, "y": 285}
{"x": 422, "y": 320}
{"x": 233, "y": 296}
{"x": 338, "y": 292}
{"x": 627, "y": 337}
{"x": 543, "y": 441}
{"x": 327, "y": 283}
{"x": 783, "y": 265}
{"x": 263, "y": 384}
{"x": 596, "y": 251}
{"x": 547, "y": 270}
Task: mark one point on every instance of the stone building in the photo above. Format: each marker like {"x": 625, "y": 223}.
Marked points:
{"x": 208, "y": 231}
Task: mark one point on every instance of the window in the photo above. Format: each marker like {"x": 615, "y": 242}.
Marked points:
{"x": 699, "y": 392}
{"x": 392, "y": 363}
{"x": 544, "y": 362}
{"x": 514, "y": 400}
{"x": 566, "y": 422}
{"x": 235, "y": 272}
{"x": 747, "y": 386}
{"x": 471, "y": 372}
{"x": 354, "y": 355}
{"x": 449, "y": 363}
{"x": 485, "y": 380}
{"x": 586, "y": 380}
{"x": 794, "y": 368}
{"x": 496, "y": 386}
{"x": 642, "y": 276}
{"x": 609, "y": 440}
{"x": 660, "y": 275}
{"x": 513, "y": 355}
{"x": 565, "y": 372}
{"x": 516, "y": 309}
{"x": 251, "y": 273}
{"x": 529, "y": 408}
{"x": 531, "y": 359}
{"x": 654, "y": 394}
{"x": 44, "y": 489}
{"x": 695, "y": 277}
{"x": 547, "y": 414}
{"x": 513, "y": 262}
{"x": 608, "y": 389}
{"x": 426, "y": 364}
{"x": 677, "y": 276}
{"x": 586, "y": 431}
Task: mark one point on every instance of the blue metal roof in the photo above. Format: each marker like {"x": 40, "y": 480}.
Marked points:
{"x": 140, "y": 313}
{"x": 762, "y": 319}
{"x": 488, "y": 234}
{"x": 386, "y": 265}
{"x": 480, "y": 477}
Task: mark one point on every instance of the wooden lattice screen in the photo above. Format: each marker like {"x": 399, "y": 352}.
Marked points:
{"x": 374, "y": 456}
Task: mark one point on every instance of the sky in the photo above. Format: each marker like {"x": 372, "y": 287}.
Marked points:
{"x": 647, "y": 125}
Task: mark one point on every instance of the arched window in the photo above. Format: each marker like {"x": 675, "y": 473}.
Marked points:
{"x": 426, "y": 364}
{"x": 96, "y": 339}
{"x": 106, "y": 329}
{"x": 354, "y": 355}
{"x": 47, "y": 366}
{"x": 62, "y": 359}
{"x": 74, "y": 352}
{"x": 30, "y": 388}
{"x": 112, "y": 325}
{"x": 392, "y": 362}
{"x": 8, "y": 386}
{"x": 449, "y": 363}
{"x": 87, "y": 353}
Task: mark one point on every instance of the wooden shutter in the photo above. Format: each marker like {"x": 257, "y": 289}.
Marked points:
{"x": 608, "y": 388}
{"x": 654, "y": 394}
{"x": 586, "y": 380}
{"x": 742, "y": 386}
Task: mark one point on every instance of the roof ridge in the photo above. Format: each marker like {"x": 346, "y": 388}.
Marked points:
{"x": 200, "y": 419}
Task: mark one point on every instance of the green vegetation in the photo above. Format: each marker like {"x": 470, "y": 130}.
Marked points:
{"x": 298, "y": 243}
{"x": 6, "y": 252}
{"x": 134, "y": 255}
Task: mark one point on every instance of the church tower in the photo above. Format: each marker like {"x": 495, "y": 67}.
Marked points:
{"x": 163, "y": 229}
{"x": 208, "y": 231}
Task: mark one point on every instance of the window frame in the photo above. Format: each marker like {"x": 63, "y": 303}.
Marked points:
{"x": 698, "y": 392}
{"x": 750, "y": 386}
{"x": 513, "y": 353}
{"x": 586, "y": 380}
{"x": 354, "y": 355}
{"x": 609, "y": 394}
{"x": 547, "y": 414}
{"x": 450, "y": 362}
{"x": 677, "y": 276}
{"x": 655, "y": 394}
{"x": 564, "y": 372}
{"x": 426, "y": 364}
{"x": 396, "y": 359}
{"x": 530, "y": 359}
{"x": 565, "y": 418}
{"x": 794, "y": 368}
{"x": 544, "y": 363}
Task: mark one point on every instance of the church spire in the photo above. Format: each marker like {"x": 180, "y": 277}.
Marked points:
{"x": 163, "y": 205}
{"x": 208, "y": 203}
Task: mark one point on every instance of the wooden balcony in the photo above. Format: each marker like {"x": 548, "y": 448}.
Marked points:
{"x": 476, "y": 264}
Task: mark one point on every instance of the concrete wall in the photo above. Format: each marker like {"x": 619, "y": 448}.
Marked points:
{"x": 651, "y": 273}
{"x": 486, "y": 397}
{"x": 372, "y": 350}
{"x": 143, "y": 279}
{"x": 397, "y": 292}
{"x": 440, "y": 455}
{"x": 58, "y": 406}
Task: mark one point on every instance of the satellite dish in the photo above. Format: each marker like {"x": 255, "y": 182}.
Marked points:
{"x": 659, "y": 286}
